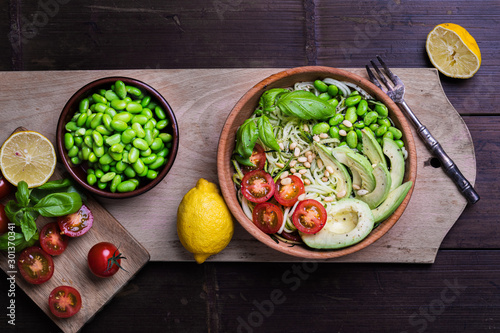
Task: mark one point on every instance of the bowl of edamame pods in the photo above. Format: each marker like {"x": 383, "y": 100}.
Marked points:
{"x": 117, "y": 137}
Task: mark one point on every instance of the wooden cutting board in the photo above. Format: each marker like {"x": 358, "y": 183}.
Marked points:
{"x": 70, "y": 268}
{"x": 201, "y": 100}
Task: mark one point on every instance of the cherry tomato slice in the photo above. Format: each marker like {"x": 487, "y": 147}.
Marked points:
{"x": 4, "y": 220}
{"x": 104, "y": 259}
{"x": 287, "y": 195}
{"x": 64, "y": 301}
{"x": 35, "y": 265}
{"x": 258, "y": 158}
{"x": 257, "y": 186}
{"x": 309, "y": 216}
{"x": 76, "y": 224}
{"x": 5, "y": 187}
{"x": 267, "y": 217}
{"x": 51, "y": 239}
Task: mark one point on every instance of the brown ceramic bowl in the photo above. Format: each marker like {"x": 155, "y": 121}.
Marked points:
{"x": 79, "y": 172}
{"x": 244, "y": 109}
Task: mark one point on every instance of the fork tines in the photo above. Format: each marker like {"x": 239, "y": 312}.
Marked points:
{"x": 381, "y": 75}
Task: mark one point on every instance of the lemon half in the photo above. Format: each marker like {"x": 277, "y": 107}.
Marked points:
{"x": 453, "y": 51}
{"x": 28, "y": 156}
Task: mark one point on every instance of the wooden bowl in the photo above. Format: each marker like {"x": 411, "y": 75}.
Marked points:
{"x": 79, "y": 172}
{"x": 244, "y": 109}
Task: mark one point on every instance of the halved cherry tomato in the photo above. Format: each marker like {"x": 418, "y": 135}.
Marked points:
{"x": 76, "y": 224}
{"x": 287, "y": 195}
{"x": 257, "y": 186}
{"x": 51, "y": 239}
{"x": 104, "y": 259}
{"x": 5, "y": 187}
{"x": 258, "y": 158}
{"x": 4, "y": 220}
{"x": 64, "y": 301}
{"x": 35, "y": 265}
{"x": 309, "y": 216}
{"x": 268, "y": 217}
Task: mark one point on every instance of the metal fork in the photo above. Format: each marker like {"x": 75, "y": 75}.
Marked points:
{"x": 396, "y": 92}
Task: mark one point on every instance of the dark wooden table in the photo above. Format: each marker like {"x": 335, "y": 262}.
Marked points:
{"x": 460, "y": 292}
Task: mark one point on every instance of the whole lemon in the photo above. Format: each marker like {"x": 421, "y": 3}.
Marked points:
{"x": 204, "y": 223}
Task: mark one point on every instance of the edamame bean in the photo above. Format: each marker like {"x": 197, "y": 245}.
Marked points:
{"x": 99, "y": 99}
{"x": 82, "y": 119}
{"x": 324, "y": 96}
{"x": 147, "y": 112}
{"x": 151, "y": 124}
{"x": 140, "y": 144}
{"x": 92, "y": 157}
{"x": 98, "y": 150}
{"x": 149, "y": 159}
{"x": 381, "y": 130}
{"x": 352, "y": 139}
{"x": 320, "y": 85}
{"x": 135, "y": 181}
{"x": 84, "y": 105}
{"x": 158, "y": 163}
{"x": 388, "y": 135}
{"x": 351, "y": 115}
{"x": 395, "y": 132}
{"x": 359, "y": 124}
{"x": 133, "y": 155}
{"x": 133, "y": 90}
{"x": 115, "y": 156}
{"x": 85, "y": 153}
{"x": 354, "y": 93}
{"x": 148, "y": 137}
{"x": 121, "y": 166}
{"x": 111, "y": 95}
{"x": 97, "y": 138}
{"x": 120, "y": 89}
{"x": 352, "y": 100}
{"x": 123, "y": 116}
{"x": 362, "y": 108}
{"x": 145, "y": 101}
{"x": 71, "y": 126}
{"x": 146, "y": 152}
{"x": 129, "y": 172}
{"x": 139, "y": 131}
{"x": 80, "y": 132}
{"x": 119, "y": 125}
{"x": 99, "y": 173}
{"x": 165, "y": 137}
{"x": 91, "y": 179}
{"x": 106, "y": 167}
{"x": 126, "y": 186}
{"x": 320, "y": 128}
{"x": 140, "y": 118}
{"x": 103, "y": 130}
{"x": 128, "y": 135}
{"x": 335, "y": 120}
{"x": 374, "y": 127}
{"x": 384, "y": 121}
{"x": 114, "y": 183}
{"x": 400, "y": 143}
{"x": 69, "y": 141}
{"x": 114, "y": 139}
{"x": 162, "y": 124}
{"x": 108, "y": 177}
{"x": 100, "y": 107}
{"x": 110, "y": 112}
{"x": 134, "y": 107}
{"x": 160, "y": 113}
{"x": 117, "y": 148}
{"x": 152, "y": 174}
{"x": 105, "y": 160}
{"x": 156, "y": 132}
{"x": 370, "y": 118}
{"x": 73, "y": 151}
{"x": 118, "y": 104}
{"x": 78, "y": 141}
{"x": 89, "y": 120}
{"x": 101, "y": 185}
{"x": 144, "y": 172}
{"x": 334, "y": 132}
{"x": 156, "y": 145}
{"x": 164, "y": 152}
{"x": 75, "y": 160}
{"x": 333, "y": 102}
{"x": 138, "y": 166}
{"x": 333, "y": 90}
{"x": 359, "y": 134}
{"x": 381, "y": 110}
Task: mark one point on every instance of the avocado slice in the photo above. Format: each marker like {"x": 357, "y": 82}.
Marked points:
{"x": 397, "y": 171}
{"x": 356, "y": 163}
{"x": 349, "y": 221}
{"x": 371, "y": 148}
{"x": 344, "y": 185}
{"x": 391, "y": 203}
{"x": 382, "y": 187}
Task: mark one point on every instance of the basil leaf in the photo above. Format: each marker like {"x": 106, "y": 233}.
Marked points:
{"x": 59, "y": 204}
{"x": 244, "y": 160}
{"x": 268, "y": 99}
{"x": 19, "y": 242}
{"x": 14, "y": 212}
{"x": 28, "y": 226}
{"x": 248, "y": 134}
{"x": 23, "y": 193}
{"x": 266, "y": 133}
{"x": 55, "y": 185}
{"x": 305, "y": 105}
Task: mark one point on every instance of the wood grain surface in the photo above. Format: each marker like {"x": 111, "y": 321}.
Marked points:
{"x": 151, "y": 217}
{"x": 71, "y": 267}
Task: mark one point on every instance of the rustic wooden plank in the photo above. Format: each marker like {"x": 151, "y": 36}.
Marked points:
{"x": 478, "y": 225}
{"x": 393, "y": 297}
{"x": 397, "y": 30}
{"x": 168, "y": 34}
{"x": 71, "y": 267}
{"x": 217, "y": 90}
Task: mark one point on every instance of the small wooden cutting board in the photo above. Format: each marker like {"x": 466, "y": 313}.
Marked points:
{"x": 71, "y": 269}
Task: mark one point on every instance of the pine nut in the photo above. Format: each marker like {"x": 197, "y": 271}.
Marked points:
{"x": 307, "y": 181}
{"x": 292, "y": 163}
{"x": 316, "y": 138}
{"x": 307, "y": 164}
{"x": 306, "y": 128}
{"x": 293, "y": 145}
{"x": 362, "y": 192}
{"x": 341, "y": 194}
{"x": 282, "y": 146}
{"x": 347, "y": 123}
{"x": 324, "y": 179}
{"x": 329, "y": 169}
{"x": 302, "y": 197}
{"x": 308, "y": 153}
{"x": 286, "y": 181}
{"x": 342, "y": 132}
{"x": 297, "y": 175}
{"x": 292, "y": 170}
{"x": 284, "y": 175}
{"x": 327, "y": 174}
{"x": 319, "y": 162}
{"x": 323, "y": 136}
{"x": 356, "y": 187}
{"x": 302, "y": 159}
{"x": 296, "y": 152}
{"x": 302, "y": 171}
{"x": 328, "y": 199}
{"x": 280, "y": 165}
{"x": 310, "y": 158}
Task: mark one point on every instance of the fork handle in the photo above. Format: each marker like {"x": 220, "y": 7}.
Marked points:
{"x": 449, "y": 166}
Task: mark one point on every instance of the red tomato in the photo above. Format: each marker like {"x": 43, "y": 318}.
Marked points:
{"x": 287, "y": 195}
{"x": 104, "y": 259}
{"x": 257, "y": 186}
{"x": 258, "y": 158}
{"x": 309, "y": 216}
{"x": 64, "y": 301}
{"x": 51, "y": 239}
{"x": 4, "y": 221}
{"x": 268, "y": 217}
{"x": 76, "y": 224}
{"x": 35, "y": 265}
{"x": 5, "y": 187}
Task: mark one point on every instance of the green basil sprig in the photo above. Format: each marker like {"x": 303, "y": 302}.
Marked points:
{"x": 266, "y": 133}
{"x": 267, "y": 101}
{"x": 15, "y": 239}
{"x": 246, "y": 137}
{"x": 304, "y": 105}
